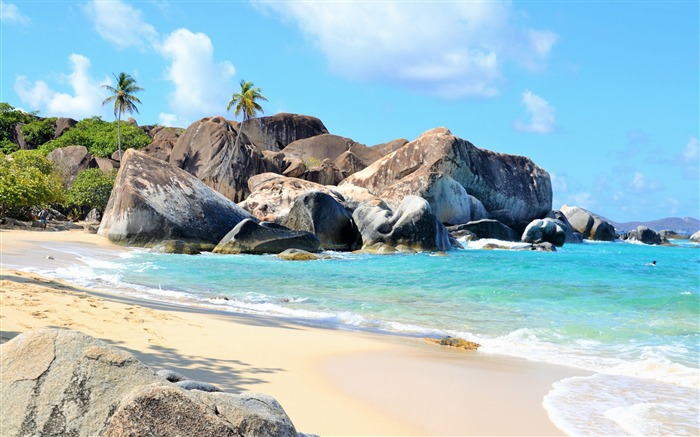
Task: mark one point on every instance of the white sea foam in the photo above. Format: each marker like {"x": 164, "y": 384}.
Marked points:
{"x": 618, "y": 405}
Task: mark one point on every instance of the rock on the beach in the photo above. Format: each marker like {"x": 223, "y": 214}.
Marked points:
{"x": 297, "y": 255}
{"x": 71, "y": 160}
{"x": 252, "y": 237}
{"x": 272, "y": 195}
{"x": 455, "y": 342}
{"x": 323, "y": 216}
{"x": 591, "y": 226}
{"x": 486, "y": 229}
{"x": 571, "y": 235}
{"x": 695, "y": 238}
{"x": 277, "y": 131}
{"x": 66, "y": 383}
{"x": 545, "y": 230}
{"x": 153, "y": 201}
{"x": 643, "y": 234}
{"x": 164, "y": 140}
{"x": 499, "y": 181}
{"x": 412, "y": 227}
{"x": 447, "y": 198}
{"x": 208, "y": 150}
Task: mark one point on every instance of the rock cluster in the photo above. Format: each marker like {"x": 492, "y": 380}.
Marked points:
{"x": 66, "y": 383}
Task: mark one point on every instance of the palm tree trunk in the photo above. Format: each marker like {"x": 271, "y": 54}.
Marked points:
{"x": 119, "y": 135}
{"x": 228, "y": 161}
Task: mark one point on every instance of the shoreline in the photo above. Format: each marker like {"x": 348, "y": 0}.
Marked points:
{"x": 329, "y": 381}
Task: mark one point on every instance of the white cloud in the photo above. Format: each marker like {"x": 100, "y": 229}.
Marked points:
{"x": 583, "y": 200}
{"x": 640, "y": 183}
{"x": 692, "y": 150}
{"x": 202, "y": 86}
{"x": 542, "y": 115}
{"x": 10, "y": 13}
{"x": 84, "y": 101}
{"x": 449, "y": 49}
{"x": 121, "y": 24}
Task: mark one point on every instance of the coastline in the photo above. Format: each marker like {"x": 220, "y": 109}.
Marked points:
{"x": 329, "y": 381}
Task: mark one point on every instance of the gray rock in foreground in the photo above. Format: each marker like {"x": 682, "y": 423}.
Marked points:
{"x": 252, "y": 237}
{"x": 411, "y": 227}
{"x": 644, "y": 235}
{"x": 591, "y": 226}
{"x": 154, "y": 201}
{"x": 65, "y": 383}
{"x": 545, "y": 230}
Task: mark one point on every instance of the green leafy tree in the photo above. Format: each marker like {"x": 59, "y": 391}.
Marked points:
{"x": 39, "y": 131}
{"x": 244, "y": 102}
{"x": 91, "y": 189}
{"x": 100, "y": 137}
{"x": 9, "y": 117}
{"x": 28, "y": 180}
{"x": 124, "y": 100}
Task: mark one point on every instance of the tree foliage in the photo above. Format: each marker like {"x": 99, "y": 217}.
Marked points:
{"x": 27, "y": 179}
{"x": 100, "y": 137}
{"x": 39, "y": 131}
{"x": 91, "y": 189}
{"x": 10, "y": 116}
{"x": 123, "y": 96}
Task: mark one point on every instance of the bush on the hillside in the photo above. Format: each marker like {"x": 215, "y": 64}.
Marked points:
{"x": 99, "y": 137}
{"x": 27, "y": 180}
{"x": 39, "y": 131}
{"x": 91, "y": 189}
{"x": 10, "y": 116}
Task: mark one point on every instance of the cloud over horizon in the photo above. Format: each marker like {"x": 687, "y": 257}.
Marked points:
{"x": 451, "y": 50}
{"x": 10, "y": 13}
{"x": 542, "y": 115}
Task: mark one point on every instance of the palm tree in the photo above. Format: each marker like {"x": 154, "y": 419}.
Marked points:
{"x": 245, "y": 102}
{"x": 124, "y": 101}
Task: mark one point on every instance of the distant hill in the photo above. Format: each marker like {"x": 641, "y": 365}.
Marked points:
{"x": 685, "y": 225}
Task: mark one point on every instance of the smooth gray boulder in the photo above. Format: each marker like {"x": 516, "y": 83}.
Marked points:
{"x": 164, "y": 140}
{"x": 70, "y": 160}
{"x": 411, "y": 227}
{"x": 545, "y": 230}
{"x": 153, "y": 201}
{"x": 643, "y": 234}
{"x": 320, "y": 214}
{"x": 572, "y": 237}
{"x": 208, "y": 150}
{"x": 485, "y": 229}
{"x": 695, "y": 238}
{"x": 448, "y": 199}
{"x": 252, "y": 237}
{"x": 277, "y": 131}
{"x": 66, "y": 383}
{"x": 589, "y": 225}
{"x": 499, "y": 181}
{"x": 327, "y": 146}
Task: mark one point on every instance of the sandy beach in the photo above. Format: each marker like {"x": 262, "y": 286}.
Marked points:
{"x": 329, "y": 381}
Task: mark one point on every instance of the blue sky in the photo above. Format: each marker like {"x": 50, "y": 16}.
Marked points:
{"x": 604, "y": 95}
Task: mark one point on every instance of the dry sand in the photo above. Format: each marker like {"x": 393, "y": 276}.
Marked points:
{"x": 330, "y": 382}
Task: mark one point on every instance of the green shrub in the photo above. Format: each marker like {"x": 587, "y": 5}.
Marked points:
{"x": 39, "y": 132}
{"x": 27, "y": 179}
{"x": 100, "y": 137}
{"x": 91, "y": 189}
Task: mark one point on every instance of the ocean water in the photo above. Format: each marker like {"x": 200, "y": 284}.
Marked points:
{"x": 593, "y": 306}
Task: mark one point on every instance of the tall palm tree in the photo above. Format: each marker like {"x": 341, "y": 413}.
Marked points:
{"x": 244, "y": 102}
{"x": 124, "y": 100}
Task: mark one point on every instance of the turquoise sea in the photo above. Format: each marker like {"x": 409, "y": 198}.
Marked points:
{"x": 594, "y": 306}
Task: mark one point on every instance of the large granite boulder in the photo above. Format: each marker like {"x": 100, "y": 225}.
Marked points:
{"x": 448, "y": 199}
{"x": 391, "y": 146}
{"x": 277, "y": 131}
{"x": 153, "y": 201}
{"x": 272, "y": 195}
{"x": 63, "y": 125}
{"x": 643, "y": 234}
{"x": 589, "y": 225}
{"x": 695, "y": 238}
{"x": 164, "y": 140}
{"x": 323, "y": 216}
{"x": 486, "y": 229}
{"x": 208, "y": 150}
{"x": 411, "y": 227}
{"x": 56, "y": 382}
{"x": 545, "y": 230}
{"x": 571, "y": 235}
{"x": 252, "y": 237}
{"x": 327, "y": 146}
{"x": 70, "y": 160}
{"x": 356, "y": 196}
{"x": 106, "y": 164}
{"x": 499, "y": 181}
{"x": 324, "y": 173}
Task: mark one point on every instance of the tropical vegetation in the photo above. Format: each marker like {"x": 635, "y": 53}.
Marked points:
{"x": 28, "y": 180}
{"x": 124, "y": 101}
